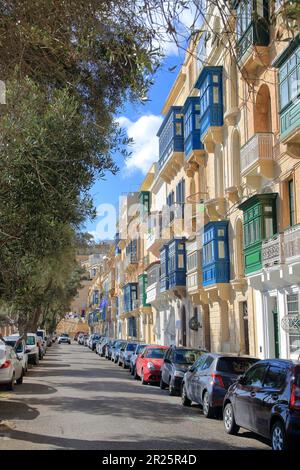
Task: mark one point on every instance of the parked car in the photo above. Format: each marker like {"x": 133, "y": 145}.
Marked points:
{"x": 33, "y": 348}
{"x": 81, "y": 338}
{"x": 266, "y": 400}
{"x": 43, "y": 336}
{"x": 148, "y": 364}
{"x": 19, "y": 345}
{"x": 138, "y": 350}
{"x": 109, "y": 348}
{"x": 94, "y": 341}
{"x": 125, "y": 354}
{"x": 207, "y": 381}
{"x": 177, "y": 360}
{"x": 116, "y": 350}
{"x": 101, "y": 346}
{"x": 64, "y": 338}
{"x": 86, "y": 340}
{"x": 11, "y": 369}
{"x": 79, "y": 333}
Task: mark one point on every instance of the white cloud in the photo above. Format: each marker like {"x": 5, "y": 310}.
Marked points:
{"x": 145, "y": 143}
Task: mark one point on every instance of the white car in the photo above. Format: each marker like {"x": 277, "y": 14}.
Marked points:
{"x": 19, "y": 346}
{"x": 11, "y": 369}
{"x": 33, "y": 348}
{"x": 42, "y": 335}
{"x": 64, "y": 338}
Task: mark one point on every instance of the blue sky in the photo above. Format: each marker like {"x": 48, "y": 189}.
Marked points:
{"x": 141, "y": 122}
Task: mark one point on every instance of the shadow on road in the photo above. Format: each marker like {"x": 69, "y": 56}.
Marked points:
{"x": 14, "y": 410}
{"x": 132, "y": 442}
{"x": 34, "y": 389}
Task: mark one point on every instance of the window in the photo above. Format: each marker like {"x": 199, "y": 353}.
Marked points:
{"x": 294, "y": 336}
{"x": 208, "y": 363}
{"x": 255, "y": 376}
{"x": 180, "y": 261}
{"x": 269, "y": 232}
{"x": 208, "y": 252}
{"x": 221, "y": 249}
{"x": 275, "y": 378}
{"x": 178, "y": 128}
{"x": 289, "y": 79}
{"x": 291, "y": 202}
{"x": 199, "y": 363}
{"x": 244, "y": 13}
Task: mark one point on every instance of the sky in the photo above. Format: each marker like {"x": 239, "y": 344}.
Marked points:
{"x": 141, "y": 122}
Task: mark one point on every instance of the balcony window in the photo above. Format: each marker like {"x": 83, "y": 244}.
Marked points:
{"x": 192, "y": 123}
{"x": 192, "y": 261}
{"x": 215, "y": 261}
{"x": 130, "y": 296}
{"x": 144, "y": 204}
{"x": 252, "y": 25}
{"x": 209, "y": 84}
{"x": 143, "y": 284}
{"x": 291, "y": 202}
{"x": 289, "y": 87}
{"x": 260, "y": 223}
{"x": 170, "y": 135}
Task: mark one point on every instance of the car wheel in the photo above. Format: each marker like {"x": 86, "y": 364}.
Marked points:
{"x": 162, "y": 384}
{"x": 229, "y": 421}
{"x": 207, "y": 409}
{"x": 144, "y": 382}
{"x": 11, "y": 384}
{"x": 20, "y": 379}
{"x": 135, "y": 374}
{"x": 36, "y": 360}
{"x": 132, "y": 370}
{"x": 172, "y": 391}
{"x": 184, "y": 398}
{"x": 119, "y": 363}
{"x": 124, "y": 365}
{"x": 279, "y": 439}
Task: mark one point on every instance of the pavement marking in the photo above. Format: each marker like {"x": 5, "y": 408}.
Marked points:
{"x": 5, "y": 395}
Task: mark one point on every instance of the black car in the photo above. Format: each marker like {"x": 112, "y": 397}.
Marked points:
{"x": 177, "y": 360}
{"x": 266, "y": 400}
{"x": 94, "y": 341}
{"x": 207, "y": 381}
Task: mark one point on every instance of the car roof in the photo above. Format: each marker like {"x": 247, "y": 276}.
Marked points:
{"x": 278, "y": 361}
{"x": 157, "y": 346}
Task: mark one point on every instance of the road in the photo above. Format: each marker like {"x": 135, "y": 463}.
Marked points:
{"x": 77, "y": 400}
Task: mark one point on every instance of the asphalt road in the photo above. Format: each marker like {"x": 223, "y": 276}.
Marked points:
{"x": 77, "y": 400}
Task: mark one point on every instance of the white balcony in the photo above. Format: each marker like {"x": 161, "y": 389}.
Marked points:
{"x": 257, "y": 157}
{"x": 273, "y": 251}
{"x": 292, "y": 249}
{"x": 153, "y": 289}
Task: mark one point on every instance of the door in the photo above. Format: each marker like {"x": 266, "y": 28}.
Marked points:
{"x": 276, "y": 333}
{"x": 245, "y": 395}
{"x": 204, "y": 378}
{"x": 183, "y": 326}
{"x": 267, "y": 397}
{"x": 193, "y": 378}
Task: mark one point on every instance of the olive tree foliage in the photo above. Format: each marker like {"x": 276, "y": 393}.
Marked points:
{"x": 68, "y": 67}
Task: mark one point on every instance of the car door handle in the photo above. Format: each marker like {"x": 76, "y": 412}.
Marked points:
{"x": 252, "y": 394}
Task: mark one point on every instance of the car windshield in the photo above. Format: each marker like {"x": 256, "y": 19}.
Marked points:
{"x": 235, "y": 365}
{"x": 130, "y": 347}
{"x": 40, "y": 333}
{"x": 30, "y": 341}
{"x": 65, "y": 335}
{"x": 186, "y": 356}
{"x": 97, "y": 337}
{"x": 156, "y": 353}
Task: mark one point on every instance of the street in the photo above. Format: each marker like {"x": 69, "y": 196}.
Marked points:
{"x": 77, "y": 400}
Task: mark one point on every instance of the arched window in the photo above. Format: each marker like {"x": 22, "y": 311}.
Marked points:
{"x": 262, "y": 111}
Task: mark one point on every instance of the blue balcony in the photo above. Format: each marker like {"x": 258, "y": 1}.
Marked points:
{"x": 132, "y": 327}
{"x": 173, "y": 265}
{"x": 192, "y": 141}
{"x": 171, "y": 141}
{"x": 215, "y": 258}
{"x": 209, "y": 84}
{"x": 103, "y": 308}
{"x": 130, "y": 296}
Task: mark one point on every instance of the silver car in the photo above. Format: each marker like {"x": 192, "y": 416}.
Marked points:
{"x": 11, "y": 370}
{"x": 19, "y": 346}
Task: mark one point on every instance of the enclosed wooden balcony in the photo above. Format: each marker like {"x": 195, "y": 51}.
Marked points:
{"x": 257, "y": 158}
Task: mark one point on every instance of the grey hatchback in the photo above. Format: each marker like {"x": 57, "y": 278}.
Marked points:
{"x": 208, "y": 379}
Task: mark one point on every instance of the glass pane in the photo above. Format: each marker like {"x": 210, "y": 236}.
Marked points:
{"x": 180, "y": 261}
{"x": 178, "y": 128}
{"x": 268, "y": 227}
{"x": 215, "y": 95}
{"x": 284, "y": 93}
{"x": 221, "y": 248}
{"x": 221, "y": 232}
{"x": 293, "y": 84}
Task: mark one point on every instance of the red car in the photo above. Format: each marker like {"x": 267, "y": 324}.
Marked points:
{"x": 148, "y": 364}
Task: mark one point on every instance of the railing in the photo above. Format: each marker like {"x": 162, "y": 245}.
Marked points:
{"x": 273, "y": 251}
{"x": 259, "y": 147}
{"x": 292, "y": 242}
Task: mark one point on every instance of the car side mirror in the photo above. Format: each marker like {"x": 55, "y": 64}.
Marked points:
{"x": 241, "y": 379}
{"x": 142, "y": 356}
